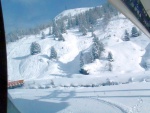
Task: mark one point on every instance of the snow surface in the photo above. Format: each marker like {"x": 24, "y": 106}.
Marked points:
{"x": 72, "y": 12}
{"x": 129, "y": 98}
{"x": 51, "y": 83}
{"x": 128, "y": 56}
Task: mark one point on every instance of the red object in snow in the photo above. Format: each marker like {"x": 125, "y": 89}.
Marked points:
{"x": 14, "y": 84}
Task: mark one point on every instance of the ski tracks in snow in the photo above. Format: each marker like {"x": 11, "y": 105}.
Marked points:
{"x": 116, "y": 107}
{"x": 112, "y": 105}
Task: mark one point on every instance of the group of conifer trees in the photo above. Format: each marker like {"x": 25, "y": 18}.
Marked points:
{"x": 134, "y": 33}
{"x": 36, "y": 49}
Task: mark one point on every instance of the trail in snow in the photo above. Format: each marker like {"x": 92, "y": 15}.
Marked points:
{"x": 113, "y": 105}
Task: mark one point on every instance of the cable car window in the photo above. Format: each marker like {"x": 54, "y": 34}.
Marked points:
{"x": 77, "y": 56}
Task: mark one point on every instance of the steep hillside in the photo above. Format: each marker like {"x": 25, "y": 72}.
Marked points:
{"x": 78, "y": 65}
{"x": 127, "y": 55}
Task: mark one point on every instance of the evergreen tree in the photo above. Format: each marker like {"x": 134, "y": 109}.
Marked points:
{"x": 53, "y": 53}
{"x": 92, "y": 34}
{"x": 101, "y": 46}
{"x": 92, "y": 31}
{"x": 110, "y": 56}
{"x": 63, "y": 27}
{"x": 95, "y": 51}
{"x": 43, "y": 35}
{"x": 95, "y": 37}
{"x": 105, "y": 21}
{"x": 88, "y": 57}
{"x": 55, "y": 32}
{"x": 110, "y": 66}
{"x": 83, "y": 30}
{"x": 81, "y": 60}
{"x": 82, "y": 70}
{"x": 50, "y": 30}
{"x": 69, "y": 23}
{"x": 97, "y": 48}
{"x": 135, "y": 32}
{"x": 61, "y": 38}
{"x": 126, "y": 36}
{"x": 91, "y": 16}
{"x": 35, "y": 48}
{"x": 76, "y": 20}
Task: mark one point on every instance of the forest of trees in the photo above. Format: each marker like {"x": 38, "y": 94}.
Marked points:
{"x": 85, "y": 21}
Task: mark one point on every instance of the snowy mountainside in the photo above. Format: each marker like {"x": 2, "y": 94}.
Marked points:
{"x": 127, "y": 55}
{"x": 57, "y": 82}
{"x": 72, "y": 12}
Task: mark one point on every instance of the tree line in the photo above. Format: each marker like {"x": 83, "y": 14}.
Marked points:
{"x": 85, "y": 21}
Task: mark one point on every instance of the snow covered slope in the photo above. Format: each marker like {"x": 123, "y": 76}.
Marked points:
{"x": 50, "y": 83}
{"x": 72, "y": 12}
{"x": 127, "y": 55}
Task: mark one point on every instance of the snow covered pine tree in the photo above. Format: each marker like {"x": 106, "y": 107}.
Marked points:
{"x": 110, "y": 57}
{"x": 126, "y": 36}
{"x": 35, "y": 48}
{"x": 61, "y": 38}
{"x": 53, "y": 53}
{"x": 43, "y": 35}
{"x": 97, "y": 48}
{"x": 135, "y": 32}
{"x": 81, "y": 60}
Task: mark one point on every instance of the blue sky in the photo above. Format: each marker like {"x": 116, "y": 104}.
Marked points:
{"x": 29, "y": 13}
